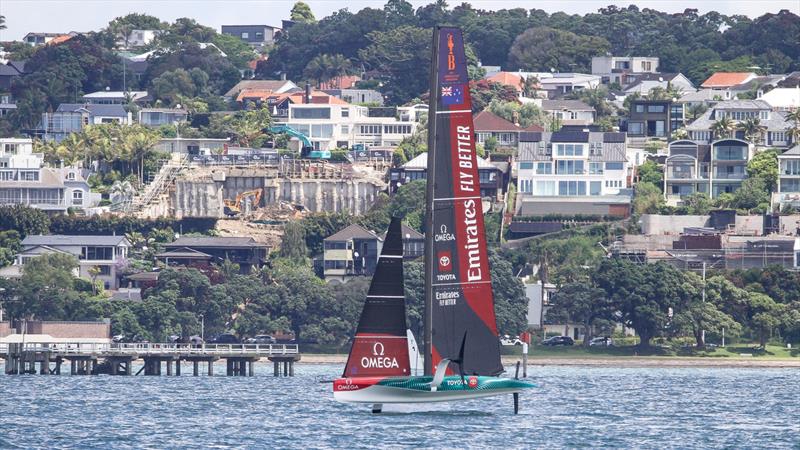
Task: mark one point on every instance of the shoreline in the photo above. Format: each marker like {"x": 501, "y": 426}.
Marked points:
{"x": 619, "y": 362}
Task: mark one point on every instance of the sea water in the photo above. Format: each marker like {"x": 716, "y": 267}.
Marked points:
{"x": 571, "y": 407}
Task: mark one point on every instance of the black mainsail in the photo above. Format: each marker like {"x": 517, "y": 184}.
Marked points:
{"x": 460, "y": 321}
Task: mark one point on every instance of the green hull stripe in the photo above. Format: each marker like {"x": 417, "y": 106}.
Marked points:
{"x": 454, "y": 383}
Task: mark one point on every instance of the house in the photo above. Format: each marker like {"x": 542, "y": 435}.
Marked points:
{"x": 774, "y": 123}
{"x": 515, "y": 80}
{"x": 491, "y": 177}
{"x": 7, "y": 75}
{"x": 413, "y": 243}
{"x": 138, "y": 38}
{"x": 253, "y": 35}
{"x": 617, "y": 69}
{"x": 155, "y": 117}
{"x": 193, "y": 146}
{"x": 569, "y": 112}
{"x": 24, "y": 181}
{"x": 272, "y": 86}
{"x": 359, "y": 96}
{"x": 488, "y": 124}
{"x": 244, "y": 251}
{"x": 788, "y": 178}
{"x": 654, "y": 118}
{"x": 712, "y": 168}
{"x": 721, "y": 81}
{"x": 642, "y": 83}
{"x": 331, "y": 123}
{"x": 115, "y": 97}
{"x": 351, "y": 252}
{"x": 105, "y": 254}
{"x": 707, "y": 97}
{"x": 340, "y": 82}
{"x": 72, "y": 117}
{"x": 783, "y": 99}
{"x": 756, "y": 86}
{"x": 40, "y": 38}
{"x": 563, "y": 83}
{"x": 568, "y": 172}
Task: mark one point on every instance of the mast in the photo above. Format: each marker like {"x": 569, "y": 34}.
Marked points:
{"x": 429, "y": 192}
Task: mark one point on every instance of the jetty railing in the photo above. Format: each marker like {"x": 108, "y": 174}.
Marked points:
{"x": 143, "y": 349}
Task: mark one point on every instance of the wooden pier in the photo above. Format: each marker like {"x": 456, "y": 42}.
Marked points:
{"x": 117, "y": 359}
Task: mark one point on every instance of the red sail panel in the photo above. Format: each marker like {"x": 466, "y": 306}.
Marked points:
{"x": 459, "y": 281}
{"x": 380, "y": 347}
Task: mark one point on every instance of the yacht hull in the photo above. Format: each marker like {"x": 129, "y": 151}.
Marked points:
{"x": 419, "y": 390}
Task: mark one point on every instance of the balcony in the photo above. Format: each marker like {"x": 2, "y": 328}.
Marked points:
{"x": 729, "y": 176}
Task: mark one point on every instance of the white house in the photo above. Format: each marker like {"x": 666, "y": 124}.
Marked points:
{"x": 615, "y": 69}
{"x": 114, "y": 97}
{"x": 567, "y": 172}
{"x": 105, "y": 254}
{"x": 783, "y": 99}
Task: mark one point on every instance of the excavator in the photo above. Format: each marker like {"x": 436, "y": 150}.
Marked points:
{"x": 307, "y": 150}
{"x": 234, "y": 207}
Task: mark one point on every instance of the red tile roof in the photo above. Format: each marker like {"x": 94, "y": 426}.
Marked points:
{"x": 507, "y": 78}
{"x": 343, "y": 82}
{"x": 727, "y": 79}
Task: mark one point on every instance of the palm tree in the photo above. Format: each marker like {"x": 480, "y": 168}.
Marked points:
{"x": 121, "y": 191}
{"x": 794, "y": 116}
{"x": 723, "y": 127}
{"x": 326, "y": 67}
{"x": 530, "y": 86}
{"x": 752, "y": 128}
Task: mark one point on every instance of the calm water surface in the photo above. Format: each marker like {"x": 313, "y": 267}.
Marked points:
{"x": 573, "y": 407}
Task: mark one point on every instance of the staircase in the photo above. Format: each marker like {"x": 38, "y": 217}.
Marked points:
{"x": 161, "y": 182}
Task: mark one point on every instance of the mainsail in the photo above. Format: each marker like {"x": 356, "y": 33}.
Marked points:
{"x": 380, "y": 347}
{"x": 460, "y": 318}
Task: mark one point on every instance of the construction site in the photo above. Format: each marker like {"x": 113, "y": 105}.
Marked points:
{"x": 257, "y": 198}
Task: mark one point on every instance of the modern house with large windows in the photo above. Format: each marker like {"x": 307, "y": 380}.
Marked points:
{"x": 72, "y": 117}
{"x": 775, "y": 126}
{"x": 24, "y": 180}
{"x": 490, "y": 176}
{"x": 788, "y": 178}
{"x": 715, "y": 168}
{"x": 617, "y": 69}
{"x": 99, "y": 257}
{"x": 351, "y": 252}
{"x": 568, "y": 172}
{"x": 654, "y": 118}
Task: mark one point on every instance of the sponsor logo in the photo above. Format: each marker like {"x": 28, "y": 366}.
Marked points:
{"x": 453, "y": 95}
{"x": 445, "y": 261}
{"x": 451, "y": 57}
{"x": 447, "y": 298}
{"x": 444, "y": 235}
{"x": 472, "y": 382}
{"x": 378, "y": 360}
{"x": 347, "y": 385}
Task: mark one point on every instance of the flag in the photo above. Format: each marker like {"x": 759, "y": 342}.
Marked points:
{"x": 453, "y": 95}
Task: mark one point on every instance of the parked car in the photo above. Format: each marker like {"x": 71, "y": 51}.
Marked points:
{"x": 225, "y": 338}
{"x": 261, "y": 339}
{"x": 508, "y": 340}
{"x": 601, "y": 341}
{"x": 558, "y": 340}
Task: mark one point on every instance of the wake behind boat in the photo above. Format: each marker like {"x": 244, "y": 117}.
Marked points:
{"x": 462, "y": 348}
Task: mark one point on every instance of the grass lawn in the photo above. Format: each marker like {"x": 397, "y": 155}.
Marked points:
{"x": 733, "y": 351}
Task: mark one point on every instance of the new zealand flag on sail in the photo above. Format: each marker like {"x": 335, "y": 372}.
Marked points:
{"x": 453, "y": 95}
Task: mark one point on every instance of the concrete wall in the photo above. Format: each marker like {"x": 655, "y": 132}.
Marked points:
{"x": 789, "y": 224}
{"x": 353, "y": 196}
{"x": 5, "y": 329}
{"x": 197, "y": 199}
{"x": 749, "y": 225}
{"x": 658, "y": 224}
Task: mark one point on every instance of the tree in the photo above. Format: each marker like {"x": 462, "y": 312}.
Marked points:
{"x": 764, "y": 315}
{"x": 522, "y": 115}
{"x": 764, "y": 165}
{"x": 46, "y": 287}
{"x": 323, "y": 68}
{"x": 648, "y": 198}
{"x": 696, "y": 110}
{"x": 723, "y": 128}
{"x": 651, "y": 172}
{"x": 246, "y": 126}
{"x": 293, "y": 245}
{"x": 23, "y": 219}
{"x": 543, "y": 49}
{"x": 582, "y": 303}
{"x": 596, "y": 98}
{"x": 301, "y": 12}
{"x": 698, "y": 203}
{"x": 403, "y": 55}
{"x": 170, "y": 86}
{"x": 642, "y": 294}
{"x": 409, "y": 203}
{"x": 752, "y": 129}
{"x": 752, "y": 194}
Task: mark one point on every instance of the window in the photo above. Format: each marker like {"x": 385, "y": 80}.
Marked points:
{"x": 638, "y": 108}
{"x": 97, "y": 253}
{"x": 335, "y": 245}
{"x": 29, "y": 175}
{"x": 569, "y": 149}
{"x": 525, "y": 186}
{"x": 544, "y": 168}
{"x": 345, "y": 112}
{"x": 11, "y": 149}
{"x": 6, "y": 175}
{"x": 595, "y": 187}
{"x": 335, "y": 264}
{"x": 614, "y": 166}
{"x": 545, "y": 188}
{"x": 397, "y": 129}
{"x": 311, "y": 113}
{"x": 526, "y": 166}
{"x": 791, "y": 167}
{"x": 71, "y": 176}
{"x": 655, "y": 108}
{"x": 790, "y": 185}
{"x": 778, "y": 136}
{"x": 569, "y": 167}
{"x": 635, "y": 128}
{"x": 77, "y": 197}
{"x": 321, "y": 131}
{"x": 369, "y": 129}
{"x": 729, "y": 153}
{"x": 571, "y": 188}
{"x": 245, "y": 35}
{"x": 104, "y": 270}
{"x": 596, "y": 148}
{"x": 595, "y": 168}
